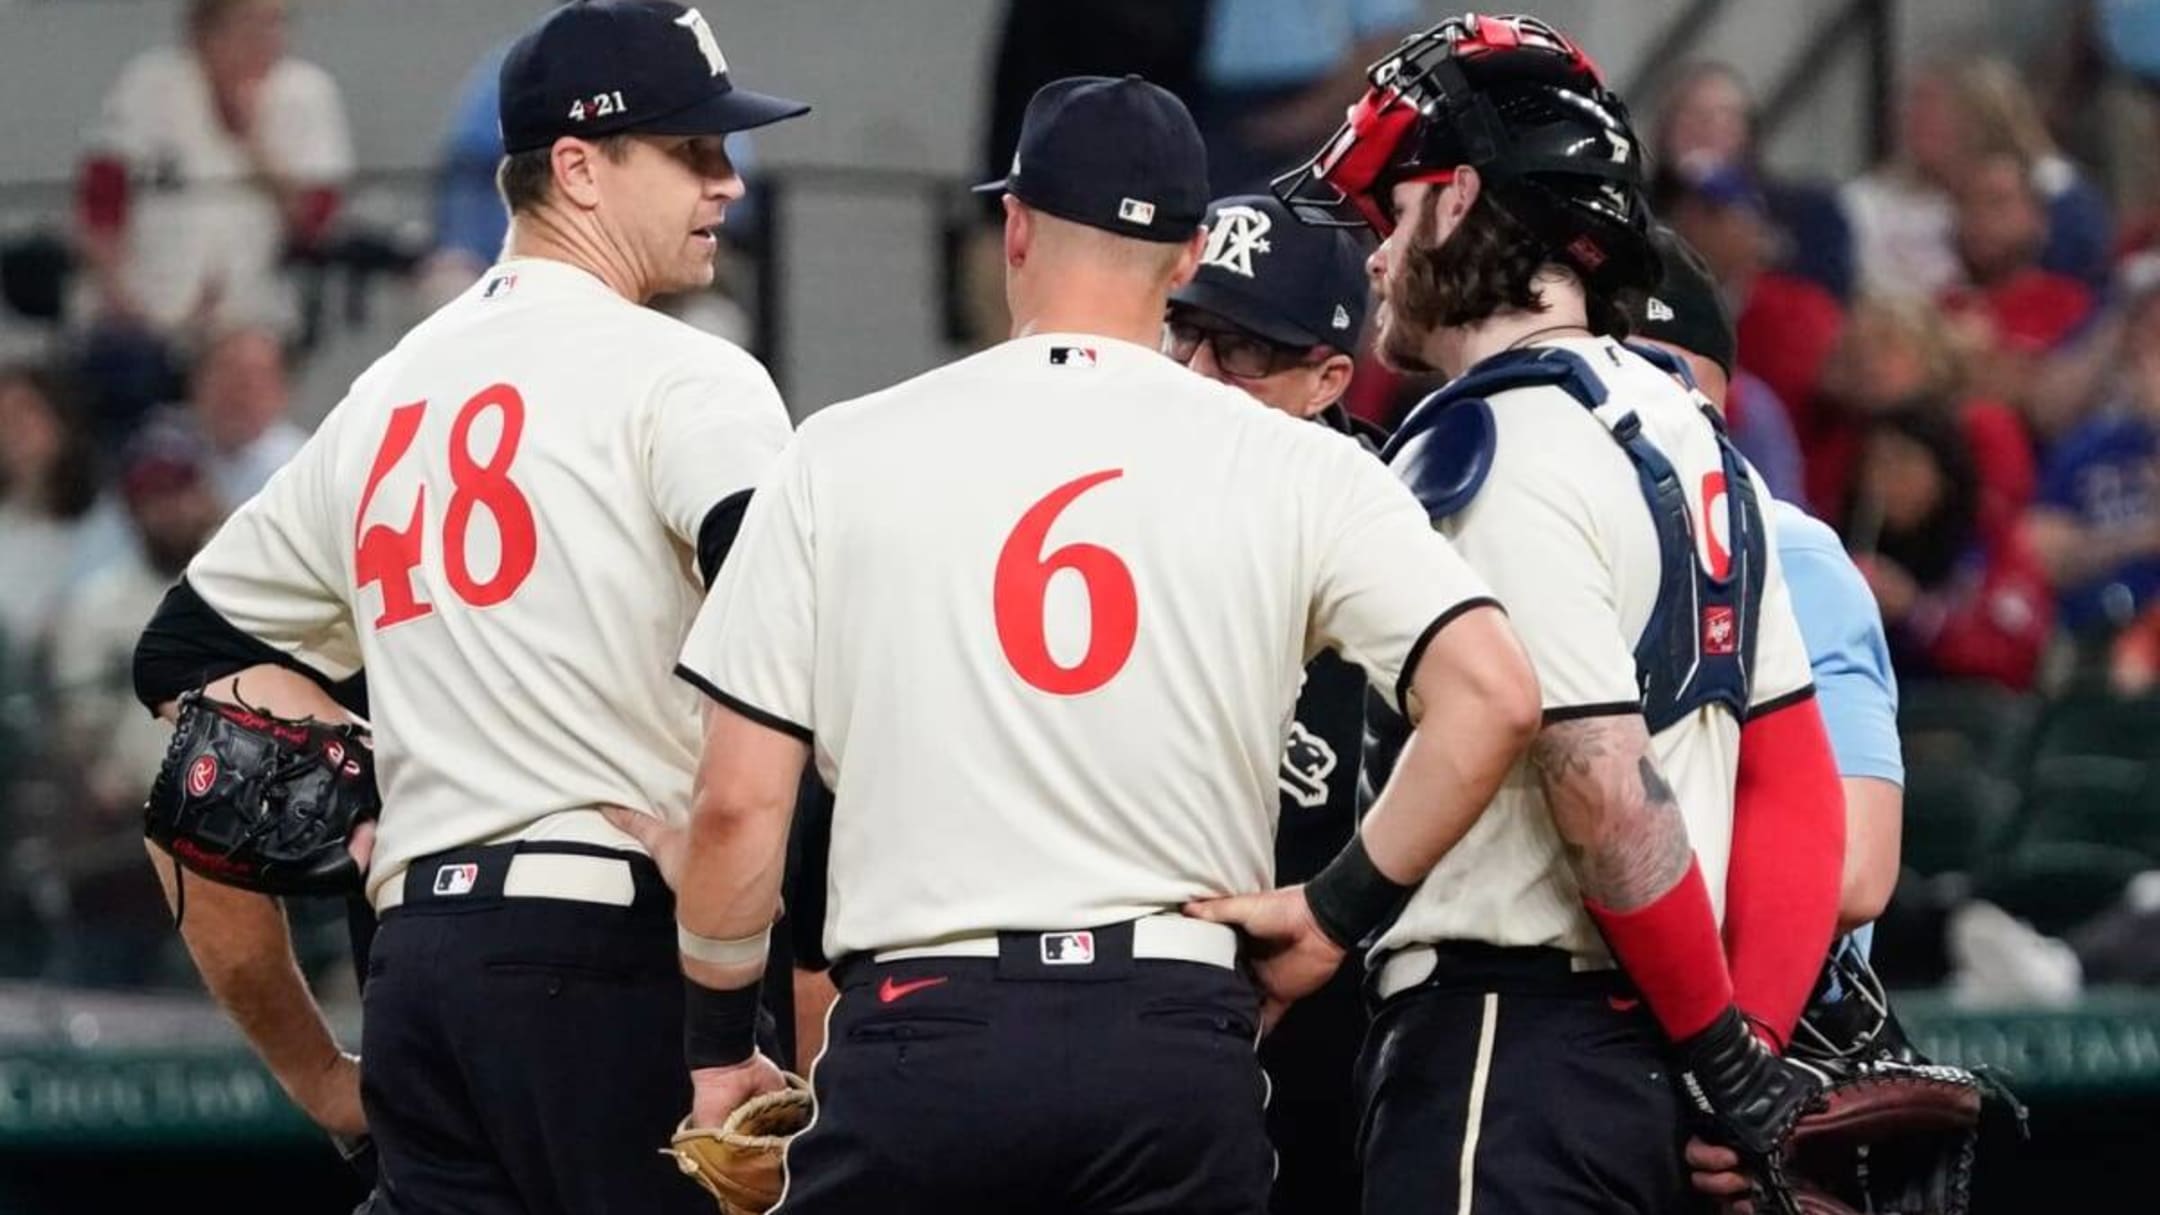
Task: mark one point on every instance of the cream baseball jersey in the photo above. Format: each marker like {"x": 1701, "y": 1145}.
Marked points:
{"x": 1043, "y": 613}
{"x": 500, "y": 523}
{"x": 1562, "y": 533}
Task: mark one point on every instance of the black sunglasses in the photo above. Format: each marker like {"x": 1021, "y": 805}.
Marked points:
{"x": 1239, "y": 354}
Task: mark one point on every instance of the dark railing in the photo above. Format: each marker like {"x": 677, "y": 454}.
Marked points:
{"x": 1874, "y": 22}
{"x": 1672, "y": 47}
{"x": 1871, "y": 21}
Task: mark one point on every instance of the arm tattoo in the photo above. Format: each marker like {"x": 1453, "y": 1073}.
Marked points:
{"x": 1613, "y": 809}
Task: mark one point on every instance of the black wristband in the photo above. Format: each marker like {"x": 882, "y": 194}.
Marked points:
{"x": 719, "y": 1027}
{"x": 1350, "y": 898}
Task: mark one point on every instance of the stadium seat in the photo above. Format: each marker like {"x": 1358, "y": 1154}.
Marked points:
{"x": 2059, "y": 885}
{"x": 2096, "y": 726}
{"x": 1964, "y": 722}
{"x": 2093, "y": 800}
{"x": 1955, "y": 816}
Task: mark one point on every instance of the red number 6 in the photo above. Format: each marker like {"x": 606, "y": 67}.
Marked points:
{"x": 1023, "y": 583}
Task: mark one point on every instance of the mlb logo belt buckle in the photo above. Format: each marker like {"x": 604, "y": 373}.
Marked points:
{"x": 1068, "y": 948}
{"x": 457, "y": 879}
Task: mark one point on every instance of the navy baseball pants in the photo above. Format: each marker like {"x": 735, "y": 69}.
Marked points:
{"x": 1036, "y": 1082}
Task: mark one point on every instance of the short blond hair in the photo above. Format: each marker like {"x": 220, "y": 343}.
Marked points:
{"x": 2000, "y": 109}
{"x": 526, "y": 180}
{"x": 1910, "y": 321}
{"x": 1152, "y": 260}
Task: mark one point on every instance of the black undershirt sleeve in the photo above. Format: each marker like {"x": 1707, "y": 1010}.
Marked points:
{"x": 188, "y": 644}
{"x": 716, "y": 535}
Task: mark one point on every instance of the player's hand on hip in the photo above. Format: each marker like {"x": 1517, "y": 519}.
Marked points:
{"x": 330, "y": 1096}
{"x": 1715, "y": 1171}
{"x": 362, "y": 844}
{"x": 716, "y": 1092}
{"x": 666, "y": 845}
{"x": 1291, "y": 957}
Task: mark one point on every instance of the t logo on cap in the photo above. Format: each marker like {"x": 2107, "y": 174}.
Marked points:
{"x": 611, "y": 67}
{"x": 707, "y": 45}
{"x": 1238, "y": 233}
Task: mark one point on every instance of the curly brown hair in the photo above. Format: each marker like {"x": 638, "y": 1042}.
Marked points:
{"x": 1491, "y": 262}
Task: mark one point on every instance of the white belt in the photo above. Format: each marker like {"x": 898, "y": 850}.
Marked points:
{"x": 1168, "y": 938}
{"x": 1411, "y": 965}
{"x": 531, "y": 875}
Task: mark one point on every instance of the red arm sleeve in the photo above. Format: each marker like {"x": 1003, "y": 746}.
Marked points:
{"x": 101, "y": 194}
{"x": 1669, "y": 950}
{"x": 1788, "y": 853}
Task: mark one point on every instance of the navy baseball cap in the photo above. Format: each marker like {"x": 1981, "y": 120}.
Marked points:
{"x": 1686, "y": 308}
{"x": 1293, "y": 283}
{"x": 1121, "y": 155}
{"x": 607, "y": 67}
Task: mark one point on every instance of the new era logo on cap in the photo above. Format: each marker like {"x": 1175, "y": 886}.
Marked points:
{"x": 1657, "y": 309}
{"x": 1341, "y": 319}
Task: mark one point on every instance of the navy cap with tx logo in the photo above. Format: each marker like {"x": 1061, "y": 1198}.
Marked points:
{"x": 1120, "y": 155}
{"x": 1292, "y": 283}
{"x": 610, "y": 67}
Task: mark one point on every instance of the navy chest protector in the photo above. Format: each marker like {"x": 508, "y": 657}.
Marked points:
{"x": 1699, "y": 645}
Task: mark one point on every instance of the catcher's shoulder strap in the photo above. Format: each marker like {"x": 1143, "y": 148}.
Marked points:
{"x": 1698, "y": 647}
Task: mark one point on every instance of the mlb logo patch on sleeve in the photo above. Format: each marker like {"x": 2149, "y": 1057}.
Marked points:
{"x": 1072, "y": 356}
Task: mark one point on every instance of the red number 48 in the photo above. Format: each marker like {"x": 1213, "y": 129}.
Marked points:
{"x": 388, "y": 555}
{"x": 1023, "y": 584}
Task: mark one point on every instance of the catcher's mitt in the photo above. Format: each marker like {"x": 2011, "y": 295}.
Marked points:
{"x": 740, "y": 1162}
{"x": 262, "y": 802}
{"x": 1890, "y": 1133}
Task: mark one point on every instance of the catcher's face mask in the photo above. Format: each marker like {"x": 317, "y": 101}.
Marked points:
{"x": 1416, "y": 121}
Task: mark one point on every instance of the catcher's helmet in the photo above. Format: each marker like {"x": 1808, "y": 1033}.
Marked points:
{"x": 1515, "y": 99}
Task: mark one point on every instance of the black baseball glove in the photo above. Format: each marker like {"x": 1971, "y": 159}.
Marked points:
{"x": 261, "y": 802}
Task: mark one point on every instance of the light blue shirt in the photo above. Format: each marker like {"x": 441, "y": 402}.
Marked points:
{"x": 2130, "y": 29}
{"x": 1261, "y": 43}
{"x": 469, "y": 214}
{"x": 1842, "y": 628}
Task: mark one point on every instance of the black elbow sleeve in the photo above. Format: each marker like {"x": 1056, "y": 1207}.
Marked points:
{"x": 188, "y": 644}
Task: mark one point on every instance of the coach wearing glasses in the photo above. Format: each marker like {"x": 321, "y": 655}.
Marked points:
{"x": 1275, "y": 309}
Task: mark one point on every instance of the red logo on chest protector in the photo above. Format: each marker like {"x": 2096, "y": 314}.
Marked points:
{"x": 1719, "y": 634}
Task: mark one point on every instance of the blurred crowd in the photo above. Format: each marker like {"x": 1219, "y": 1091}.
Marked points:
{"x": 1953, "y": 357}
